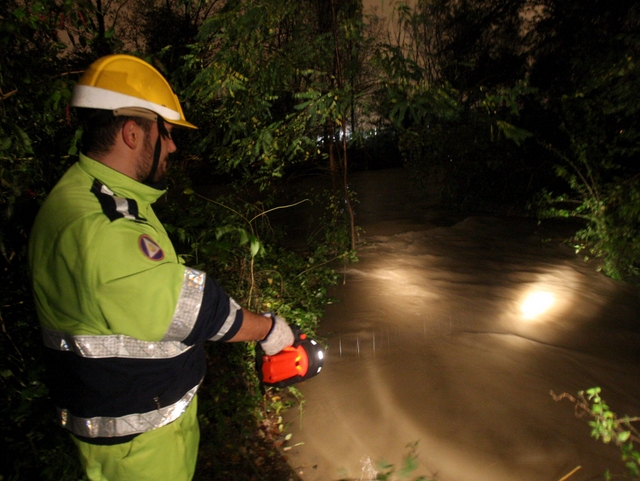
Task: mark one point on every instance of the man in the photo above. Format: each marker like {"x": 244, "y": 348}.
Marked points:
{"x": 123, "y": 321}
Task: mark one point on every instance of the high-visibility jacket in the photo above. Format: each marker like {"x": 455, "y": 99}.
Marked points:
{"x": 123, "y": 320}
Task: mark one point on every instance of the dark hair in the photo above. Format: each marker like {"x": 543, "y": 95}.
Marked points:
{"x": 100, "y": 128}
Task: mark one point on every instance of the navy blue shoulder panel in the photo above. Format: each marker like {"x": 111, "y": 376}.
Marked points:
{"x": 115, "y": 207}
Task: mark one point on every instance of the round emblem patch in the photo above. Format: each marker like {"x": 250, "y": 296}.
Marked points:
{"x": 150, "y": 248}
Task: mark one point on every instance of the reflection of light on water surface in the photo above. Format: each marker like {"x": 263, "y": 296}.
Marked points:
{"x": 437, "y": 299}
{"x": 551, "y": 296}
{"x": 401, "y": 279}
{"x": 536, "y": 303}
{"x": 546, "y": 294}
{"x": 424, "y": 333}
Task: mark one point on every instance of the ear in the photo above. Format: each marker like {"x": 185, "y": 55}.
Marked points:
{"x": 132, "y": 134}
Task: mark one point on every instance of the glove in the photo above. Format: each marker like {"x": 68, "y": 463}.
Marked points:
{"x": 279, "y": 337}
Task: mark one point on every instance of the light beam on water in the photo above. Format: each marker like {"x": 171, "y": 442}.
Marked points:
{"x": 536, "y": 303}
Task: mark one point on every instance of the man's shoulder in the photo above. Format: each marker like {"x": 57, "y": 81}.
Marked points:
{"x": 69, "y": 200}
{"x": 79, "y": 195}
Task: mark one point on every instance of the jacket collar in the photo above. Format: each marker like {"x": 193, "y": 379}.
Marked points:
{"x": 119, "y": 183}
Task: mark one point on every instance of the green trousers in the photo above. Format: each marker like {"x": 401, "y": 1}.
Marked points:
{"x": 167, "y": 453}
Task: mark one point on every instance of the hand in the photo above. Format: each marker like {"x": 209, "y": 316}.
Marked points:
{"x": 279, "y": 337}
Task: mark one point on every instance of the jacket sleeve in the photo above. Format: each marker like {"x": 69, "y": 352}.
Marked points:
{"x": 145, "y": 292}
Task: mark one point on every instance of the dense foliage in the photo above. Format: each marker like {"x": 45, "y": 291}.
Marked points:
{"x": 491, "y": 97}
{"x": 502, "y": 104}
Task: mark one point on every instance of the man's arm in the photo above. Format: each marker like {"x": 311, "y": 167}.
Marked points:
{"x": 273, "y": 332}
{"x": 255, "y": 327}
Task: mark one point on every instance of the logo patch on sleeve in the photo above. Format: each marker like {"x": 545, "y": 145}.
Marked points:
{"x": 150, "y": 248}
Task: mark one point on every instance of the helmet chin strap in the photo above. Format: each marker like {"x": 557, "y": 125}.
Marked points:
{"x": 162, "y": 132}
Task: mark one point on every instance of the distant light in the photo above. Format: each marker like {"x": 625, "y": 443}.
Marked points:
{"x": 536, "y": 303}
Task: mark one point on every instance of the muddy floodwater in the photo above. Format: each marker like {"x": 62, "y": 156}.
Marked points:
{"x": 451, "y": 332}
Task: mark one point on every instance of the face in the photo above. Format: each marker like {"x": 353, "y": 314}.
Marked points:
{"x": 145, "y": 163}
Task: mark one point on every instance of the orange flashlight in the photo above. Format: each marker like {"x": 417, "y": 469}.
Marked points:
{"x": 296, "y": 363}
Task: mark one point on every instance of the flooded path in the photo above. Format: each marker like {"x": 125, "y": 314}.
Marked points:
{"x": 430, "y": 342}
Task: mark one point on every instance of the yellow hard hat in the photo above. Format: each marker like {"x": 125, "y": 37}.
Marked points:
{"x": 128, "y": 86}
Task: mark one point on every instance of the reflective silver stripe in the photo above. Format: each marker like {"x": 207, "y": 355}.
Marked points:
{"x": 188, "y": 307}
{"x": 122, "y": 206}
{"x": 108, "y": 427}
{"x": 231, "y": 318}
{"x": 112, "y": 346}
{"x": 106, "y": 190}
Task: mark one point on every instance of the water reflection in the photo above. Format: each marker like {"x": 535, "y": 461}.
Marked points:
{"x": 430, "y": 343}
{"x": 536, "y": 303}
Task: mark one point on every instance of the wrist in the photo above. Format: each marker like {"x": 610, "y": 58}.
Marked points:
{"x": 279, "y": 337}
{"x": 272, "y": 317}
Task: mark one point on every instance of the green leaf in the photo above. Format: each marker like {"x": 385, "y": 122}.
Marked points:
{"x": 512, "y": 132}
{"x": 221, "y": 231}
{"x": 19, "y": 13}
{"x": 624, "y": 435}
{"x": 303, "y": 105}
{"x": 73, "y": 150}
{"x": 244, "y": 236}
{"x": 255, "y": 247}
{"x": 593, "y": 392}
{"x": 24, "y": 139}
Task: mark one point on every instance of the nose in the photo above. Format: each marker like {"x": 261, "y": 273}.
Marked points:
{"x": 172, "y": 147}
